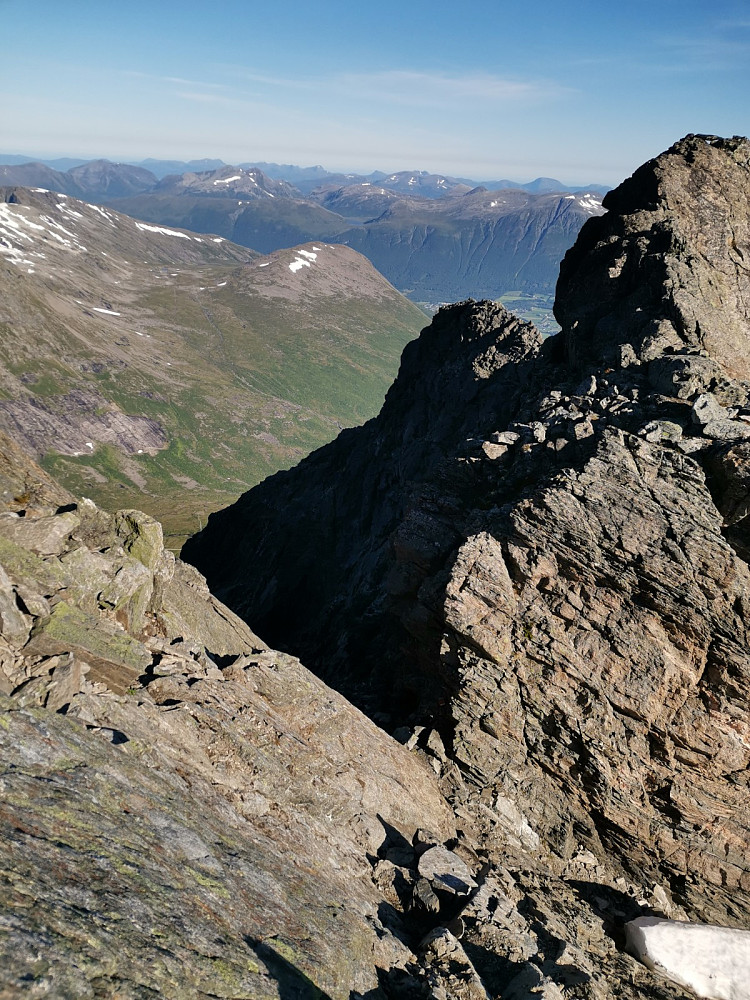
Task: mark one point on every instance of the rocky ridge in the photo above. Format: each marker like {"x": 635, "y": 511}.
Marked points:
{"x": 532, "y": 568}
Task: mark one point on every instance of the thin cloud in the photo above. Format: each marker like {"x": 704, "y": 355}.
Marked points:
{"x": 414, "y": 88}
{"x": 178, "y": 80}
{"x": 436, "y": 89}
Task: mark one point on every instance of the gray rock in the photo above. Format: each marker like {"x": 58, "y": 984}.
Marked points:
{"x": 424, "y": 900}
{"x": 445, "y": 870}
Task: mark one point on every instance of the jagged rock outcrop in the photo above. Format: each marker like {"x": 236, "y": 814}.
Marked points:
{"x": 544, "y": 546}
{"x": 667, "y": 267}
{"x": 184, "y": 812}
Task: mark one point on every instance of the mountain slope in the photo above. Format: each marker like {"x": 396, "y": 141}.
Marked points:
{"x": 171, "y": 827}
{"x": 538, "y": 552}
{"x": 141, "y": 359}
{"x": 481, "y": 244}
{"x": 435, "y": 238}
{"x": 475, "y": 246}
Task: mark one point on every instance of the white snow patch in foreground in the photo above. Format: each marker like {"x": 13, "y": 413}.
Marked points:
{"x": 218, "y": 239}
{"x": 107, "y": 312}
{"x": 265, "y": 265}
{"x": 41, "y": 190}
{"x": 228, "y": 180}
{"x": 160, "y": 229}
{"x": 306, "y": 253}
{"x": 713, "y": 961}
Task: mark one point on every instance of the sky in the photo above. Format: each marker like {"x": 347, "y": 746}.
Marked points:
{"x": 582, "y": 92}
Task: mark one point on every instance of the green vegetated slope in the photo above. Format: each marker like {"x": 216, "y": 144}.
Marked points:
{"x": 151, "y": 368}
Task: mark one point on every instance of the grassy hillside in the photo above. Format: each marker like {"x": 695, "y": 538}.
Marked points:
{"x": 171, "y": 372}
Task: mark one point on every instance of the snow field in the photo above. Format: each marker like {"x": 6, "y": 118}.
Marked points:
{"x": 712, "y": 961}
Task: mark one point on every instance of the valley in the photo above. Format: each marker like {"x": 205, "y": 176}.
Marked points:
{"x": 150, "y": 365}
{"x": 525, "y": 580}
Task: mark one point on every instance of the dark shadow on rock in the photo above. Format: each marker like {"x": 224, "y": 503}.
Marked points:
{"x": 292, "y": 983}
{"x": 495, "y": 971}
{"x": 394, "y": 839}
{"x": 391, "y": 919}
{"x": 613, "y": 907}
{"x": 396, "y": 984}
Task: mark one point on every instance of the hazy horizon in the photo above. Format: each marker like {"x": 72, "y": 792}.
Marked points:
{"x": 138, "y": 160}
{"x": 500, "y": 91}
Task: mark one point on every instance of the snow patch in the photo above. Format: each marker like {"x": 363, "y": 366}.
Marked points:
{"x": 307, "y": 253}
{"x": 16, "y": 228}
{"x": 265, "y": 265}
{"x": 161, "y": 229}
{"x": 107, "y": 312}
{"x": 713, "y": 961}
{"x": 103, "y": 212}
{"x": 590, "y": 204}
{"x": 218, "y": 239}
{"x": 297, "y": 263}
{"x": 228, "y": 180}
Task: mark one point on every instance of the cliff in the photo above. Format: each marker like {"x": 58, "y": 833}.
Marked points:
{"x": 532, "y": 567}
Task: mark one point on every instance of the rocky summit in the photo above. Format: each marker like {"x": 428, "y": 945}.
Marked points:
{"x": 532, "y": 569}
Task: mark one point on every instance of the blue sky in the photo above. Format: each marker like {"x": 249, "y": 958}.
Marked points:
{"x": 486, "y": 90}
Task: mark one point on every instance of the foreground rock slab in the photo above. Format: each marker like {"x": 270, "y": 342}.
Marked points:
{"x": 184, "y": 811}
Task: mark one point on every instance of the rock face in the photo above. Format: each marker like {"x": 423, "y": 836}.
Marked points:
{"x": 184, "y": 811}
{"x": 666, "y": 268}
{"x": 534, "y": 562}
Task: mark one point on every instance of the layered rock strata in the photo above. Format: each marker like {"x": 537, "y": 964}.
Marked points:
{"x": 534, "y": 562}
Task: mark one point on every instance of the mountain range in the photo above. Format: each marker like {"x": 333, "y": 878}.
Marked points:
{"x": 306, "y": 178}
{"x": 436, "y": 238}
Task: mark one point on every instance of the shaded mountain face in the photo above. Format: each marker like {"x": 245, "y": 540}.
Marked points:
{"x": 472, "y": 246}
{"x": 539, "y": 550}
{"x": 102, "y": 180}
{"x": 143, "y": 361}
